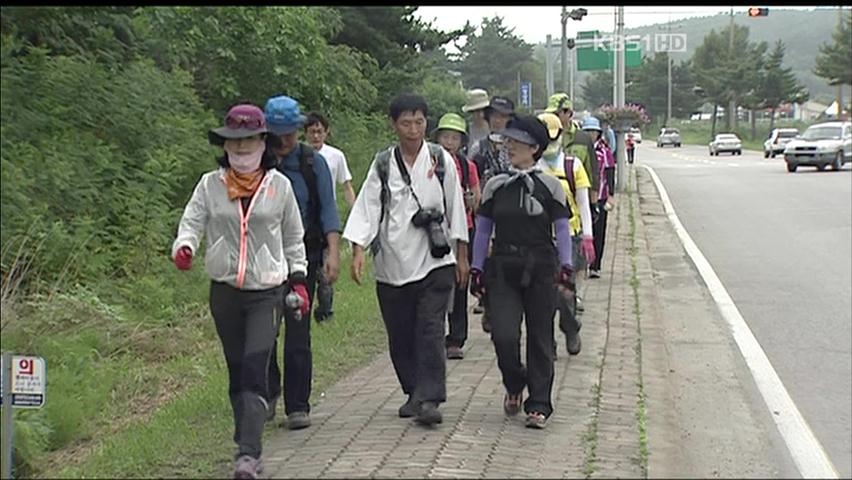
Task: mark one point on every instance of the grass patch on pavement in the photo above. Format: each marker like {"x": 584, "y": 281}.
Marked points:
{"x": 641, "y": 410}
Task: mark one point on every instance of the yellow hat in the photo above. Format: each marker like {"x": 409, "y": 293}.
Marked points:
{"x": 554, "y": 125}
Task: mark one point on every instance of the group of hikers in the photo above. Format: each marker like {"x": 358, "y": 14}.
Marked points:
{"x": 511, "y": 207}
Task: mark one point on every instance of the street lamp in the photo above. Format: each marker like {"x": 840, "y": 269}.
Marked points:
{"x": 575, "y": 14}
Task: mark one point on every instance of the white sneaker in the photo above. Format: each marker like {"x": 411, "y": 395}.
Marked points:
{"x": 594, "y": 274}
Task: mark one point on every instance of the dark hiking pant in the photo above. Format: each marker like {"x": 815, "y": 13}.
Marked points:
{"x": 599, "y": 231}
{"x": 414, "y": 316}
{"x": 246, "y": 321}
{"x": 298, "y": 358}
{"x": 509, "y": 303}
{"x": 458, "y": 317}
{"x": 566, "y": 302}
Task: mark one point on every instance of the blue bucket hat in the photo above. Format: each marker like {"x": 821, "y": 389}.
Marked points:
{"x": 592, "y": 123}
{"x": 283, "y": 115}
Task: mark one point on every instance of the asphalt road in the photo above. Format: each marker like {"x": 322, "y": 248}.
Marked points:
{"x": 781, "y": 243}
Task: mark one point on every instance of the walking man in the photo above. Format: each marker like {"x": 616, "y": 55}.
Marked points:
{"x": 409, "y": 210}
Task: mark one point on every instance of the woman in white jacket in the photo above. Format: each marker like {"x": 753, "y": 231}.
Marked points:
{"x": 255, "y": 256}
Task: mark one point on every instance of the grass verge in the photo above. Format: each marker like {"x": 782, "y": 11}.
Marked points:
{"x": 130, "y": 398}
{"x": 641, "y": 411}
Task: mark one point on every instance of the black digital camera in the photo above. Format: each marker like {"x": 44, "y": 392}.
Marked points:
{"x": 431, "y": 219}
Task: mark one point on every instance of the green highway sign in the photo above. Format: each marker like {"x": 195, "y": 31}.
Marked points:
{"x": 601, "y": 56}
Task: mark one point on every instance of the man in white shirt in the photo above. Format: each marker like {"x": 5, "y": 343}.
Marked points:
{"x": 415, "y": 266}
{"x": 317, "y": 129}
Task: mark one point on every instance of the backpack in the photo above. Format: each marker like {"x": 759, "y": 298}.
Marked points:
{"x": 383, "y": 169}
{"x": 465, "y": 169}
{"x": 314, "y": 238}
{"x": 568, "y": 165}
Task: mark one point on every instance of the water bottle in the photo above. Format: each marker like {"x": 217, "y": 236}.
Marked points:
{"x": 295, "y": 302}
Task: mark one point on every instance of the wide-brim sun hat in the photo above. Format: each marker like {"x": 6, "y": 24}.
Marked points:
{"x": 477, "y": 99}
{"x": 559, "y": 101}
{"x": 592, "y": 123}
{"x": 553, "y": 124}
{"x": 283, "y": 115}
{"x": 452, "y": 121}
{"x": 241, "y": 121}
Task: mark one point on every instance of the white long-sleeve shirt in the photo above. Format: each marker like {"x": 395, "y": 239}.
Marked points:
{"x": 404, "y": 255}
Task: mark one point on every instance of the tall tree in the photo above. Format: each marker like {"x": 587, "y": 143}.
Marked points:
{"x": 493, "y": 58}
{"x": 402, "y": 45}
{"x": 779, "y": 84}
{"x": 834, "y": 62}
{"x": 597, "y": 89}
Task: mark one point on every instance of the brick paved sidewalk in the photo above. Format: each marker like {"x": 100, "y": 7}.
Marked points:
{"x": 593, "y": 432}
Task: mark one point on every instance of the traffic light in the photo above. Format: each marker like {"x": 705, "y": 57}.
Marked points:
{"x": 758, "y": 12}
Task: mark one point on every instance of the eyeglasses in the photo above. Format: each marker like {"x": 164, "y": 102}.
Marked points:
{"x": 251, "y": 122}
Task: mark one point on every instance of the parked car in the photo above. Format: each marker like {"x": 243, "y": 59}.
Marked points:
{"x": 636, "y": 133}
{"x": 778, "y": 140}
{"x": 821, "y": 145}
{"x": 726, "y": 142}
{"x": 669, "y": 136}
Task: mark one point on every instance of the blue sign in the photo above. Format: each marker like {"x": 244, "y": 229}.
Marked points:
{"x": 526, "y": 94}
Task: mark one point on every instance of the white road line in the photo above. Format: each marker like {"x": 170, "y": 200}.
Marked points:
{"x": 807, "y": 452}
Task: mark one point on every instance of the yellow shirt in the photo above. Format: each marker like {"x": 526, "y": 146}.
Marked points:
{"x": 581, "y": 179}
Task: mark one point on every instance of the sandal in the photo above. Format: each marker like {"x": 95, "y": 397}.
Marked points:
{"x": 512, "y": 403}
{"x": 536, "y": 420}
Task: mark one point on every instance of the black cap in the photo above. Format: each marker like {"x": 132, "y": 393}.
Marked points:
{"x": 502, "y": 105}
{"x": 530, "y": 130}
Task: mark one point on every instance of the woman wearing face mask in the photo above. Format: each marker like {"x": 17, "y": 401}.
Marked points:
{"x": 521, "y": 207}
{"x": 255, "y": 255}
{"x": 572, "y": 175}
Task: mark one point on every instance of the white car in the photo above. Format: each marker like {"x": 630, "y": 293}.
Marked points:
{"x": 726, "y": 142}
{"x": 821, "y": 145}
{"x": 778, "y": 140}
{"x": 636, "y": 133}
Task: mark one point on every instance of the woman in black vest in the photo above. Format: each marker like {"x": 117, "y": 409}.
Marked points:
{"x": 522, "y": 207}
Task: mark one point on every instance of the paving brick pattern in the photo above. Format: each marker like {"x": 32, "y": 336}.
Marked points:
{"x": 356, "y": 432}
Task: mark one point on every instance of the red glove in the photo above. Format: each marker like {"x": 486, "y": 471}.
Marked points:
{"x": 302, "y": 291}
{"x": 587, "y": 248}
{"x": 566, "y": 277}
{"x": 183, "y": 258}
{"x": 477, "y": 283}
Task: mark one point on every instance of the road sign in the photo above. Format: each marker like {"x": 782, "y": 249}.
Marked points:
{"x": 601, "y": 55}
{"x": 28, "y": 382}
{"x": 526, "y": 94}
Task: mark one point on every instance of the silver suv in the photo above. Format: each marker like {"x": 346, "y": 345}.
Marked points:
{"x": 669, "y": 136}
{"x": 821, "y": 145}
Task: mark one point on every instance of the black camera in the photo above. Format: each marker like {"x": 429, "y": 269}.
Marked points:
{"x": 430, "y": 219}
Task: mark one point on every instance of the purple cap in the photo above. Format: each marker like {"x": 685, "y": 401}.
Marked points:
{"x": 242, "y": 121}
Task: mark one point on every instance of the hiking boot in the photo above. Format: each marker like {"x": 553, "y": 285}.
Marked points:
{"x": 580, "y": 307}
{"x": 594, "y": 274}
{"x": 573, "y": 344}
{"x": 429, "y": 414}
{"x": 410, "y": 408}
{"x": 248, "y": 467}
{"x": 479, "y": 308}
{"x": 270, "y": 408}
{"x": 512, "y": 403}
{"x": 486, "y": 323}
{"x": 298, "y": 420}
{"x": 455, "y": 353}
{"x": 536, "y": 420}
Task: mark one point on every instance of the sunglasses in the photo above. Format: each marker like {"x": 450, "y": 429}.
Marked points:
{"x": 250, "y": 122}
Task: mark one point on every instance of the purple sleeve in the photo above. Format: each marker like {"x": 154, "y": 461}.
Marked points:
{"x": 484, "y": 227}
{"x": 563, "y": 242}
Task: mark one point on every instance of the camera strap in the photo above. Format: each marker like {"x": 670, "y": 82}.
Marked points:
{"x": 403, "y": 170}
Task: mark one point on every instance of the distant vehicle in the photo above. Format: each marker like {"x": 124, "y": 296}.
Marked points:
{"x": 636, "y": 134}
{"x": 778, "y": 140}
{"x": 821, "y": 145}
{"x": 669, "y": 136}
{"x": 726, "y": 142}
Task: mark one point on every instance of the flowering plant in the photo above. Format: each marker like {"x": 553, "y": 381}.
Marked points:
{"x": 625, "y": 117}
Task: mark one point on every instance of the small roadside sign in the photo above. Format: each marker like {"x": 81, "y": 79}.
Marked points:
{"x": 526, "y": 94}
{"x": 28, "y": 382}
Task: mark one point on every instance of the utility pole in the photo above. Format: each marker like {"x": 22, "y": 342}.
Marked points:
{"x": 548, "y": 72}
{"x": 563, "y": 84}
{"x": 669, "y": 89}
{"x": 621, "y": 174}
{"x": 614, "y": 66}
{"x": 732, "y": 103}
{"x": 840, "y": 116}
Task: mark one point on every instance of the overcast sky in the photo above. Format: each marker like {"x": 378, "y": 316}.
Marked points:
{"x": 533, "y": 23}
